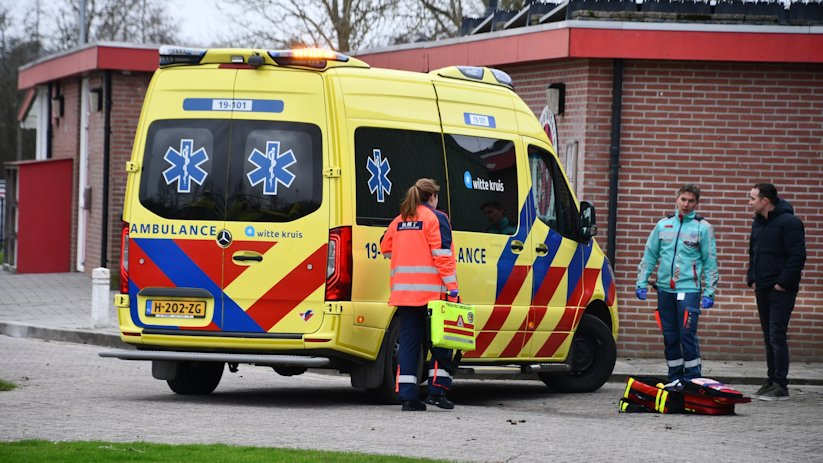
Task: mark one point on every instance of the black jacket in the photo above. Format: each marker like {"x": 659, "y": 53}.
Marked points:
{"x": 777, "y": 249}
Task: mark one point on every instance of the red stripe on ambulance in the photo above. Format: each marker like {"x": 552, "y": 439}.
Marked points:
{"x": 149, "y": 274}
{"x": 549, "y": 286}
{"x": 501, "y": 310}
{"x": 283, "y": 297}
{"x": 203, "y": 254}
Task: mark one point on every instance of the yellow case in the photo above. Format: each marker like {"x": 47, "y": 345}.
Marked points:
{"x": 452, "y": 325}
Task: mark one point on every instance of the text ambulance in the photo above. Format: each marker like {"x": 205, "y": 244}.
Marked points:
{"x": 261, "y": 182}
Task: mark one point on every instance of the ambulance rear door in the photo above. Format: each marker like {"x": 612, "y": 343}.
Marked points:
{"x": 175, "y": 212}
{"x": 277, "y": 215}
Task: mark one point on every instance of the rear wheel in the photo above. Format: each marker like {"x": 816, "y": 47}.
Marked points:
{"x": 594, "y": 354}
{"x": 385, "y": 392}
{"x": 196, "y": 378}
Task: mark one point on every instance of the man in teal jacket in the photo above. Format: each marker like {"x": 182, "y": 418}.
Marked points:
{"x": 683, "y": 244}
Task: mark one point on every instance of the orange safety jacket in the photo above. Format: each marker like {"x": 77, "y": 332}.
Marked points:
{"x": 422, "y": 257}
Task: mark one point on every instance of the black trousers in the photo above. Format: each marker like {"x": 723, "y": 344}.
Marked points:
{"x": 775, "y": 308}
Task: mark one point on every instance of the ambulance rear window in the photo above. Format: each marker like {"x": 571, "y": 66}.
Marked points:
{"x": 246, "y": 171}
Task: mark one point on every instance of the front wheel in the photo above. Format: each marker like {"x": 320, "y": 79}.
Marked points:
{"x": 196, "y": 378}
{"x": 594, "y": 354}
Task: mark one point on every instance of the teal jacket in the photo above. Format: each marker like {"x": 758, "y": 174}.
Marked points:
{"x": 687, "y": 254}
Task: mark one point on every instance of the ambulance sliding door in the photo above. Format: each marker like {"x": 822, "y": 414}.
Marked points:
{"x": 558, "y": 265}
{"x": 487, "y": 208}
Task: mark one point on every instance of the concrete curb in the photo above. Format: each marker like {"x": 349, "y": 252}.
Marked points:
{"x": 21, "y": 330}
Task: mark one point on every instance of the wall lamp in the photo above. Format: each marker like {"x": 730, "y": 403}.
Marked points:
{"x": 556, "y": 98}
{"x": 96, "y": 98}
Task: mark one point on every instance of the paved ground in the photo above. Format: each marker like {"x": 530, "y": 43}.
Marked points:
{"x": 57, "y": 307}
{"x": 67, "y": 392}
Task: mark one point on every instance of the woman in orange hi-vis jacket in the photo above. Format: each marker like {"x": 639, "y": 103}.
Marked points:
{"x": 419, "y": 244}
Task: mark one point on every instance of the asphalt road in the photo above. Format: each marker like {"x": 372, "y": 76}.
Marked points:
{"x": 67, "y": 392}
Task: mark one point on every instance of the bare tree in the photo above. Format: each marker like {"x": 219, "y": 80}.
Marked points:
{"x": 341, "y": 25}
{"x": 16, "y": 48}
{"x": 438, "y": 19}
{"x": 136, "y": 21}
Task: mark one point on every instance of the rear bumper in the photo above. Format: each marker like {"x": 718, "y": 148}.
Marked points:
{"x": 256, "y": 359}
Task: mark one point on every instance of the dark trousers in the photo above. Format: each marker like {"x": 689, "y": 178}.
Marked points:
{"x": 678, "y": 320}
{"x": 413, "y": 335}
{"x": 775, "y": 309}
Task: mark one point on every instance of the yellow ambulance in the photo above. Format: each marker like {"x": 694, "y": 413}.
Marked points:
{"x": 259, "y": 187}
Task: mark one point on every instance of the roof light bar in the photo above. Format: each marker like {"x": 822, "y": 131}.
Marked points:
{"x": 502, "y": 77}
{"x": 472, "y": 72}
{"x": 310, "y": 57}
{"x": 180, "y": 55}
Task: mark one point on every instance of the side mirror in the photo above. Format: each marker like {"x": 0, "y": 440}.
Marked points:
{"x": 588, "y": 220}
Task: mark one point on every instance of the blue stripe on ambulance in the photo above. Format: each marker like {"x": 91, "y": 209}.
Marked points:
{"x": 507, "y": 259}
{"x": 542, "y": 264}
{"x": 575, "y": 271}
{"x": 183, "y": 272}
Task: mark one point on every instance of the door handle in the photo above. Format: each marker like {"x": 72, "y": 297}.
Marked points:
{"x": 516, "y": 246}
{"x": 541, "y": 249}
{"x": 245, "y": 256}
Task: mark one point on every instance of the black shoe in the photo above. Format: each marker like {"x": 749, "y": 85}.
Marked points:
{"x": 414, "y": 406}
{"x": 440, "y": 401}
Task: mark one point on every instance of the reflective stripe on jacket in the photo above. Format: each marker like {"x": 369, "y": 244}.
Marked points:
{"x": 422, "y": 257}
{"x": 686, "y": 251}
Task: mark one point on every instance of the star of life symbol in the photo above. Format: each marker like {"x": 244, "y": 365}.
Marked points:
{"x": 379, "y": 169}
{"x": 185, "y": 166}
{"x": 271, "y": 168}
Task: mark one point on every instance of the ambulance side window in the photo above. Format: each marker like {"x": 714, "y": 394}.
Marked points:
{"x": 482, "y": 183}
{"x": 184, "y": 169}
{"x": 387, "y": 163}
{"x": 553, "y": 201}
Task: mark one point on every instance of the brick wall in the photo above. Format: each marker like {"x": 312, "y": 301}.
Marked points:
{"x": 128, "y": 91}
{"x": 724, "y": 126}
{"x": 65, "y": 144}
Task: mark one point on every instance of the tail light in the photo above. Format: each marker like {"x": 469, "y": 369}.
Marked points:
{"x": 339, "y": 265}
{"x": 124, "y": 259}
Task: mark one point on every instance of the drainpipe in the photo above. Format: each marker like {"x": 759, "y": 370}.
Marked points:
{"x": 49, "y": 130}
{"x": 104, "y": 242}
{"x": 614, "y": 156}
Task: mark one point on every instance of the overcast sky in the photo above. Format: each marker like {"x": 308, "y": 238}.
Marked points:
{"x": 198, "y": 20}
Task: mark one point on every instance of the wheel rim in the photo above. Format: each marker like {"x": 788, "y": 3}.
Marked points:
{"x": 586, "y": 353}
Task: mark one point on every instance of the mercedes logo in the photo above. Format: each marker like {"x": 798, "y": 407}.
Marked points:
{"x": 224, "y": 238}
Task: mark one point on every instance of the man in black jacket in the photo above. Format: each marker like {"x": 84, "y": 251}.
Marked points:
{"x": 777, "y": 253}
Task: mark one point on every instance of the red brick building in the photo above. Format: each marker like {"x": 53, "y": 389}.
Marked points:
{"x": 724, "y": 106}
{"x": 85, "y": 104}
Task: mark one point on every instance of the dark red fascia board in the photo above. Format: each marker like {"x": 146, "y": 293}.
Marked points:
{"x": 93, "y": 58}
{"x": 614, "y": 43}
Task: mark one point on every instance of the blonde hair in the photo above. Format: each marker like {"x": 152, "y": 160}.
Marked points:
{"x": 419, "y": 193}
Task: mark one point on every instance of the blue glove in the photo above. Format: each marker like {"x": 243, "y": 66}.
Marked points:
{"x": 707, "y": 302}
{"x": 453, "y": 293}
{"x": 640, "y": 293}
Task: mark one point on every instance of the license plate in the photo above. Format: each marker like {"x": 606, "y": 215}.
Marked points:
{"x": 175, "y": 309}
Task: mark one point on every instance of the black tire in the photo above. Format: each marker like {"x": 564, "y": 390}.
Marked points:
{"x": 594, "y": 354}
{"x": 385, "y": 392}
{"x": 196, "y": 378}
